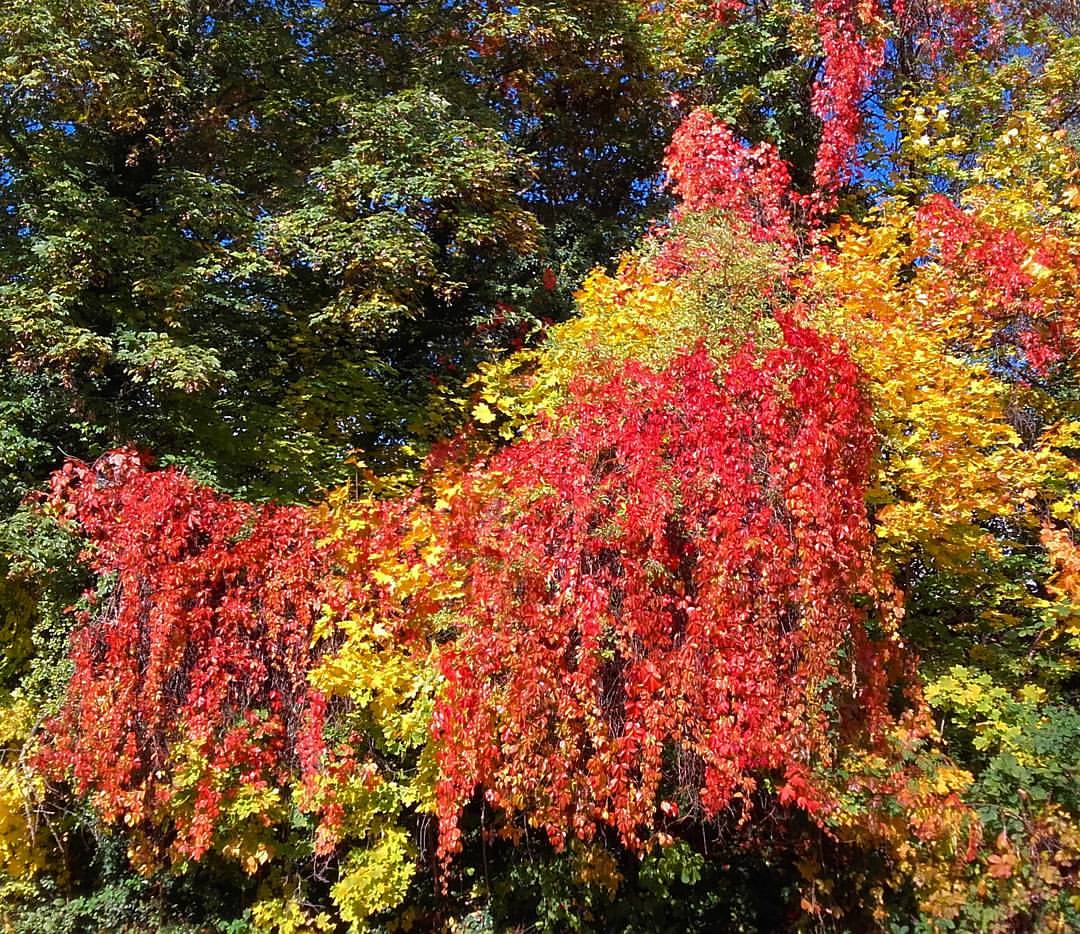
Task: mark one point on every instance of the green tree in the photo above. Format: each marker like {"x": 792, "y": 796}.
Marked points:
{"x": 257, "y": 235}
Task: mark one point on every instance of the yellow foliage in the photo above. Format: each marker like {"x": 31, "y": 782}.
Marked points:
{"x": 23, "y": 852}
{"x": 927, "y": 834}
{"x": 629, "y": 316}
{"x": 375, "y": 878}
{"x": 704, "y": 281}
{"x": 944, "y": 124}
{"x": 950, "y": 458}
{"x": 287, "y": 916}
{"x": 1064, "y": 584}
{"x": 595, "y": 866}
{"x": 245, "y": 830}
{"x": 383, "y": 684}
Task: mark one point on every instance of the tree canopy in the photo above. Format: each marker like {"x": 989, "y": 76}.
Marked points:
{"x": 588, "y": 466}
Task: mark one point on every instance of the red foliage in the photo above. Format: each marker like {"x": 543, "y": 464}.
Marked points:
{"x": 661, "y": 603}
{"x": 853, "y": 46}
{"x": 204, "y": 639}
{"x": 956, "y": 28}
{"x": 854, "y": 51}
{"x": 1005, "y": 268}
{"x": 710, "y": 168}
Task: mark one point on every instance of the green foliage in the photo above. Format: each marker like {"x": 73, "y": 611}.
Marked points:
{"x": 754, "y": 72}
{"x": 676, "y": 888}
{"x": 256, "y": 236}
{"x": 293, "y": 246}
{"x": 113, "y": 898}
{"x": 1027, "y": 748}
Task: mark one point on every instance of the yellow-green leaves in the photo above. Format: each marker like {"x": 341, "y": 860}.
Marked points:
{"x": 374, "y": 879}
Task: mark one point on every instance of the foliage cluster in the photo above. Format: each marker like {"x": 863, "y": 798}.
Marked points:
{"x": 535, "y": 544}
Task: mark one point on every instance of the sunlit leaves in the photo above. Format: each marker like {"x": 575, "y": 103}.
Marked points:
{"x": 189, "y": 696}
{"x": 671, "y": 574}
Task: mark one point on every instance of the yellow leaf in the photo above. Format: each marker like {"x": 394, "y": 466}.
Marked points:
{"x": 483, "y": 414}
